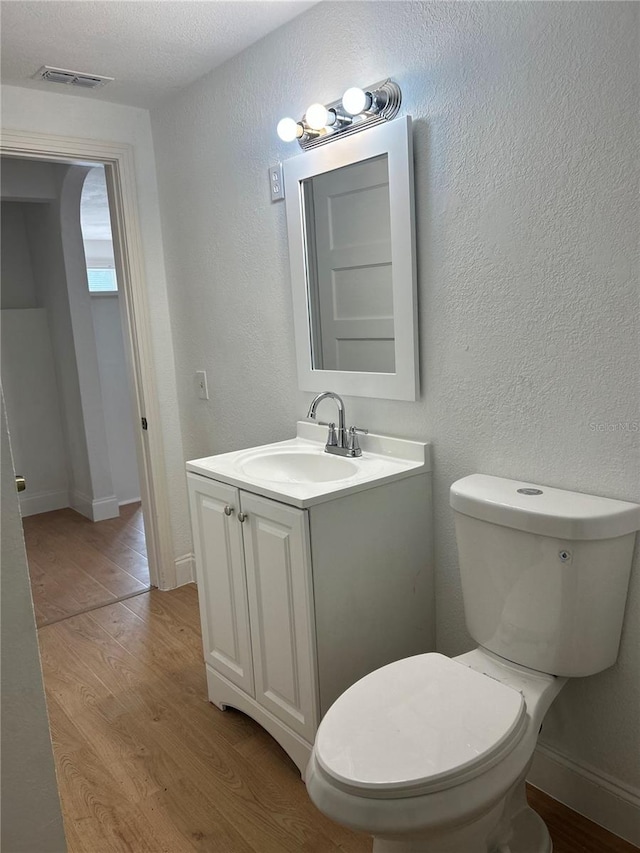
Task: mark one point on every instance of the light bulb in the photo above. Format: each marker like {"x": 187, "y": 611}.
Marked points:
{"x": 356, "y": 101}
{"x": 289, "y": 129}
{"x": 317, "y": 116}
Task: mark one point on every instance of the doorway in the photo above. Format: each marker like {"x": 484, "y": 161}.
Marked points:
{"x": 118, "y": 161}
{"x": 27, "y": 726}
{"x": 68, "y": 395}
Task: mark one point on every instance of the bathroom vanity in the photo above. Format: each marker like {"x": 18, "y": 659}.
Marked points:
{"x": 312, "y": 571}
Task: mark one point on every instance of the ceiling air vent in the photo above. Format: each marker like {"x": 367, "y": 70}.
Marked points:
{"x": 71, "y": 78}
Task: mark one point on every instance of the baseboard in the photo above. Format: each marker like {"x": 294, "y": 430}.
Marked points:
{"x": 596, "y": 795}
{"x": 185, "y": 569}
{"x": 129, "y": 501}
{"x": 105, "y": 508}
{"x": 82, "y": 504}
{"x": 34, "y": 504}
{"x": 95, "y": 510}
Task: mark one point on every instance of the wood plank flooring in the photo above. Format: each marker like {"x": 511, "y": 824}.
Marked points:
{"x": 572, "y": 833}
{"x": 76, "y": 564}
{"x": 146, "y": 765}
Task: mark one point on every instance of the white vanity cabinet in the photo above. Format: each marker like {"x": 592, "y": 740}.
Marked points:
{"x": 254, "y": 583}
{"x": 304, "y": 589}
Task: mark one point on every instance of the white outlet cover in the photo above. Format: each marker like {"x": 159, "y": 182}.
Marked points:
{"x": 276, "y": 182}
{"x": 202, "y": 389}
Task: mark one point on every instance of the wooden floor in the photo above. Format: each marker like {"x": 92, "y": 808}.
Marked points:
{"x": 76, "y": 564}
{"x": 572, "y": 833}
{"x": 145, "y": 764}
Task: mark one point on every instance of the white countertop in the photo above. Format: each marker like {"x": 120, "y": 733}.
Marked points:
{"x": 383, "y": 460}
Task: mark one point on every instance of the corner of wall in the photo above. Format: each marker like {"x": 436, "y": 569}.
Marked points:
{"x": 185, "y": 570}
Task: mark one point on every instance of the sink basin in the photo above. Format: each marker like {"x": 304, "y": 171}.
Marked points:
{"x": 298, "y": 472}
{"x": 302, "y": 466}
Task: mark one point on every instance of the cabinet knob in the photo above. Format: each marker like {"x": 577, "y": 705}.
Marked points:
{"x": 228, "y": 510}
{"x": 242, "y": 516}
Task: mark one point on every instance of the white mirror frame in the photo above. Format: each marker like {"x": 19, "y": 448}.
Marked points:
{"x": 393, "y": 139}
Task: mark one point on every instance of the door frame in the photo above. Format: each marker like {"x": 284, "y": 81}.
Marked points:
{"x": 118, "y": 160}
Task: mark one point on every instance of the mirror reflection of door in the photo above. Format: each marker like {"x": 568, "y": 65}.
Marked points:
{"x": 348, "y": 242}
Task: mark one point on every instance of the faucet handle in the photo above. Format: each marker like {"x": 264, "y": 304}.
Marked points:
{"x": 353, "y": 445}
{"x": 332, "y": 438}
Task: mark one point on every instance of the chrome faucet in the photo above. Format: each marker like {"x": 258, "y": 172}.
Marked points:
{"x": 341, "y": 442}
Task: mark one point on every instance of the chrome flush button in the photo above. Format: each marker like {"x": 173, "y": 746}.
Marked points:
{"x": 529, "y": 491}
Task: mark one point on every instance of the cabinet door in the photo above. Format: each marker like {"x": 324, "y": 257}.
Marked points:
{"x": 277, "y": 555}
{"x": 222, "y": 588}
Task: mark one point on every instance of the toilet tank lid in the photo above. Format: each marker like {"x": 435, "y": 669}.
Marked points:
{"x": 543, "y": 510}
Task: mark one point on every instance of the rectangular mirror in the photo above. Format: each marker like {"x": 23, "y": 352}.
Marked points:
{"x": 351, "y": 244}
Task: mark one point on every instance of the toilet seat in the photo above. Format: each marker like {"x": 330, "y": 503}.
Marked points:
{"x": 416, "y": 726}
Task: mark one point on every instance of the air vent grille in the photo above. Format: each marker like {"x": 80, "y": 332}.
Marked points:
{"x": 71, "y": 78}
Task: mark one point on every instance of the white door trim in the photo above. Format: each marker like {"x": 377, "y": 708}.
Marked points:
{"x": 119, "y": 165}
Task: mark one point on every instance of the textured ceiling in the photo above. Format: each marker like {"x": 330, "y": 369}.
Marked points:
{"x": 151, "y": 47}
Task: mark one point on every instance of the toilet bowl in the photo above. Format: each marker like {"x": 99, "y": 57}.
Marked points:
{"x": 429, "y": 751}
{"x": 430, "y": 754}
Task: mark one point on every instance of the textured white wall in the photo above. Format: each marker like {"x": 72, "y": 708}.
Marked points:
{"x": 22, "y": 180}
{"x": 116, "y": 397}
{"x": 18, "y": 286}
{"x": 33, "y": 409}
{"x": 45, "y": 241}
{"x": 84, "y": 341}
{"x": 526, "y": 134}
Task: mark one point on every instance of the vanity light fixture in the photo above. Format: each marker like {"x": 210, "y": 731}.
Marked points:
{"x": 357, "y": 110}
{"x": 318, "y": 117}
{"x": 355, "y": 101}
{"x": 290, "y": 129}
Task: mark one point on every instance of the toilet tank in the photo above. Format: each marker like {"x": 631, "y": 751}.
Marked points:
{"x": 544, "y": 572}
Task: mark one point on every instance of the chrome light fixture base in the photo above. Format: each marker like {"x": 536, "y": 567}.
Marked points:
{"x": 386, "y": 97}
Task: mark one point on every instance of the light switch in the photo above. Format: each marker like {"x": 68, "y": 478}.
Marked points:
{"x": 201, "y": 385}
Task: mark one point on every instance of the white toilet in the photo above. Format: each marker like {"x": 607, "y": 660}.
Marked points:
{"x": 429, "y": 754}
